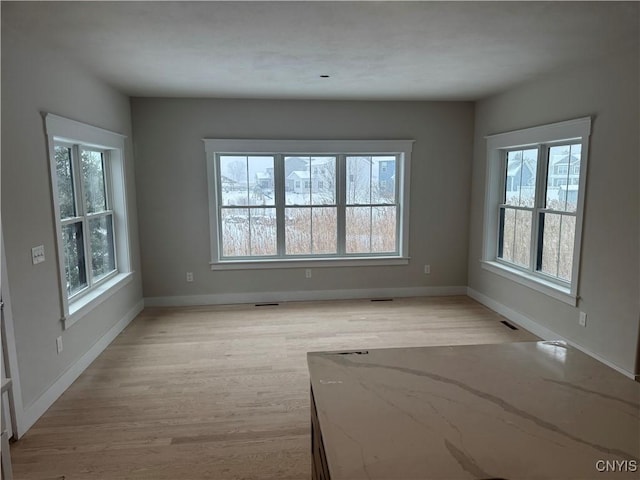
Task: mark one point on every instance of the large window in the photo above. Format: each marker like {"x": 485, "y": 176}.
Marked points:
{"x": 86, "y": 216}
{"x": 535, "y": 194}
{"x": 280, "y": 203}
{"x": 87, "y": 177}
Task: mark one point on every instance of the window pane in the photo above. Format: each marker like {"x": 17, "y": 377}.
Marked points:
{"x": 567, "y": 237}
{"x": 235, "y": 232}
{"x": 297, "y": 172}
{"x": 323, "y": 180}
{"x": 65, "y": 182}
{"x": 311, "y": 231}
{"x": 520, "y": 180}
{"x": 507, "y": 233}
{"x": 93, "y": 181}
{"x": 528, "y": 178}
{"x": 513, "y": 176}
{"x": 383, "y": 182}
{"x": 550, "y": 223}
{"x": 522, "y": 240}
{"x": 261, "y": 185}
{"x": 557, "y": 245}
{"x": 234, "y": 185}
{"x": 247, "y": 180}
{"x": 358, "y": 229}
{"x": 358, "y": 178}
{"x": 74, "y": 260}
{"x": 563, "y": 177}
{"x": 298, "y": 231}
{"x": 324, "y": 230}
{"x": 571, "y": 194}
{"x": 103, "y": 259}
{"x": 263, "y": 231}
{"x": 383, "y": 229}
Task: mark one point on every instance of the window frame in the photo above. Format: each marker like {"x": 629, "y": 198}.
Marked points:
{"x": 76, "y": 135}
{"x": 83, "y": 216}
{"x": 403, "y": 148}
{"x": 541, "y": 137}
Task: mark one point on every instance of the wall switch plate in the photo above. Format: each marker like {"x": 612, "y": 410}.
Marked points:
{"x": 37, "y": 254}
{"x": 582, "y": 320}
{"x": 307, "y": 273}
{"x": 59, "y": 344}
{"x": 189, "y": 276}
{"x": 427, "y": 269}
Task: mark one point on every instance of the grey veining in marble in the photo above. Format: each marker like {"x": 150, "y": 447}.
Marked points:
{"x": 513, "y": 411}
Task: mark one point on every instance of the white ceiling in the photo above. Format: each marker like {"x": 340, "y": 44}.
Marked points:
{"x": 371, "y": 50}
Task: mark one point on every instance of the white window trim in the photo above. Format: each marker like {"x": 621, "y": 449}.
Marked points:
{"x": 60, "y": 129}
{"x": 253, "y": 146}
{"x": 570, "y": 130}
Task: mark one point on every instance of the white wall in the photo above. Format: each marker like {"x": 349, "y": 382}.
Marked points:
{"x": 36, "y": 80}
{"x": 609, "y": 283}
{"x": 172, "y": 189}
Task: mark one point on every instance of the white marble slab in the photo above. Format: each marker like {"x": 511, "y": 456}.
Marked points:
{"x": 513, "y": 411}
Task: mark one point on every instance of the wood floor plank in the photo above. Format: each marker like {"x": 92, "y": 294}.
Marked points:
{"x": 222, "y": 392}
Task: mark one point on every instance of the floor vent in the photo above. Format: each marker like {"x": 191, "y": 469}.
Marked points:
{"x": 382, "y": 299}
{"x": 266, "y": 304}
{"x": 507, "y": 324}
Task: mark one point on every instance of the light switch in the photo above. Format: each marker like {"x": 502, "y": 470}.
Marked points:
{"x": 37, "y": 254}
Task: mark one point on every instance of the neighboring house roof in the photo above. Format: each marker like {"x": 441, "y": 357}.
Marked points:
{"x": 263, "y": 176}
{"x": 300, "y": 175}
{"x": 565, "y": 160}
{"x": 514, "y": 168}
{"x": 225, "y": 179}
{"x": 316, "y": 162}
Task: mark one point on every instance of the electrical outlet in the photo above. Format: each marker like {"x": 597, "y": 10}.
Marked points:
{"x": 307, "y": 273}
{"x": 37, "y": 254}
{"x": 59, "y": 344}
{"x": 582, "y": 321}
{"x": 427, "y": 269}
{"x": 189, "y": 276}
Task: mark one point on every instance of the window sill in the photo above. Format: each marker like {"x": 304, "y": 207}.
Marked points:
{"x": 532, "y": 281}
{"x": 81, "y": 307}
{"x": 309, "y": 263}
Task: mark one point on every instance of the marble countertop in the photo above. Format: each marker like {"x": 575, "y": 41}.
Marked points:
{"x": 510, "y": 411}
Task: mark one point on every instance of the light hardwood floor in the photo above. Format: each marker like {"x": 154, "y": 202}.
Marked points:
{"x": 222, "y": 392}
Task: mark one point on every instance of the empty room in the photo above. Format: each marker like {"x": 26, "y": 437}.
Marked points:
{"x": 328, "y": 240}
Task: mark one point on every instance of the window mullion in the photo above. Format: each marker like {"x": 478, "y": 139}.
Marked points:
{"x": 370, "y": 206}
{"x": 108, "y": 180}
{"x": 502, "y": 203}
{"x": 341, "y": 195}
{"x": 399, "y": 169}
{"x": 539, "y": 204}
{"x": 279, "y": 192}
{"x": 219, "y": 205}
{"x": 82, "y": 212}
{"x": 78, "y": 185}
{"x": 106, "y": 170}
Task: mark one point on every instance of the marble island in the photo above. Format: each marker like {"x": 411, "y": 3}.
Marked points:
{"x": 511, "y": 411}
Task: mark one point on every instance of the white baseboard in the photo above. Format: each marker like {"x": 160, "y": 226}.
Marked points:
{"x": 34, "y": 411}
{"x": 301, "y": 295}
{"x": 539, "y": 330}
